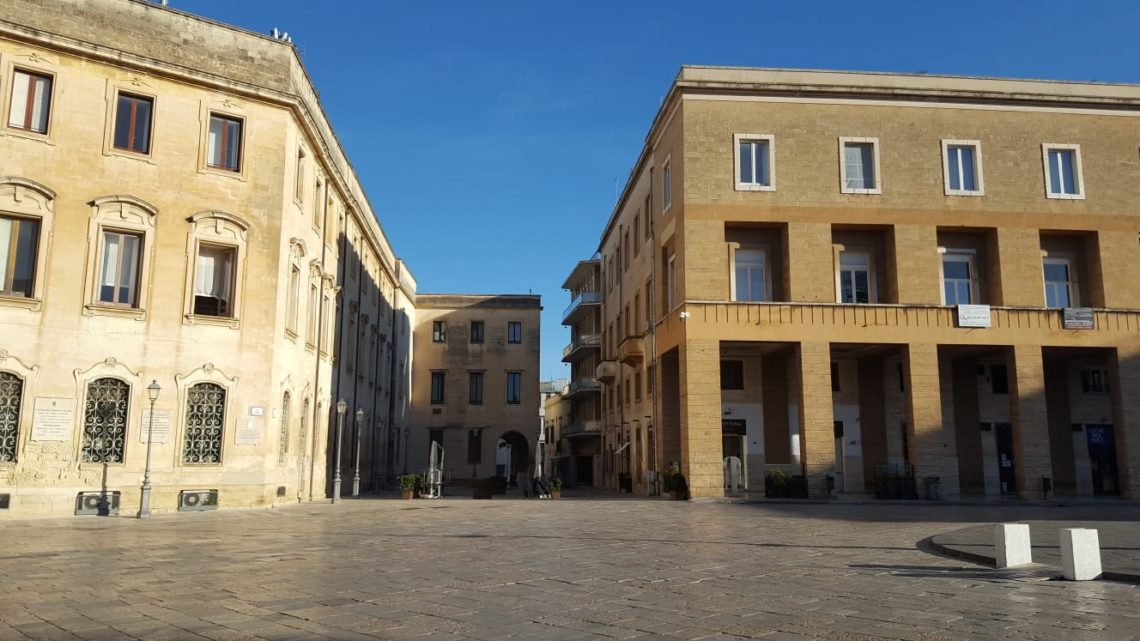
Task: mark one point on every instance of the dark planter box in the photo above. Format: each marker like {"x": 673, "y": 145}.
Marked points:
{"x": 794, "y": 487}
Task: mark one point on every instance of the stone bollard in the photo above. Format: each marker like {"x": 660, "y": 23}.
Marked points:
{"x": 1080, "y": 554}
{"x": 1012, "y": 543}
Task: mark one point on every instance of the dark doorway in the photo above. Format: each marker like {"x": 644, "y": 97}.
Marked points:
{"x": 584, "y": 468}
{"x": 1102, "y": 453}
{"x": 1003, "y": 438}
{"x": 512, "y": 456}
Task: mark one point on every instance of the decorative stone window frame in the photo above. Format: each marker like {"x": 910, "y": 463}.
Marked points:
{"x": 32, "y": 62}
{"x": 207, "y": 373}
{"x": 123, "y": 214}
{"x": 109, "y": 367}
{"x": 313, "y": 308}
{"x": 1078, "y": 168}
{"x": 666, "y": 184}
{"x": 228, "y": 108}
{"x": 10, "y": 364}
{"x": 223, "y": 229}
{"x": 25, "y": 198}
{"x": 300, "y": 163}
{"x": 330, "y": 306}
{"x": 743, "y": 186}
{"x": 978, "y": 174}
{"x": 138, "y": 86}
{"x": 293, "y": 299}
{"x": 874, "y": 142}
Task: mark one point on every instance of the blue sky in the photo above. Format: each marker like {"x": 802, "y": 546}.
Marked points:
{"x": 493, "y": 137}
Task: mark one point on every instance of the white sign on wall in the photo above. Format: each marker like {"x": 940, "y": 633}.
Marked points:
{"x": 973, "y": 316}
{"x": 161, "y": 426}
{"x": 52, "y": 418}
{"x": 249, "y": 431}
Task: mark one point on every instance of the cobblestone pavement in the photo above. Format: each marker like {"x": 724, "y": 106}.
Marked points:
{"x": 570, "y": 569}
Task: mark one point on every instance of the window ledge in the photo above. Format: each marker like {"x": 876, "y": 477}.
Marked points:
{"x": 223, "y": 172}
{"x": 1065, "y": 196}
{"x": 33, "y": 304}
{"x": 754, "y": 187}
{"x": 120, "y": 312}
{"x": 962, "y": 192}
{"x": 28, "y": 135}
{"x": 219, "y": 321}
{"x": 88, "y": 466}
{"x": 130, "y": 155}
{"x": 866, "y": 192}
{"x": 291, "y": 334}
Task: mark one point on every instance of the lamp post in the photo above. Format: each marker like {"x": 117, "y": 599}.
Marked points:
{"x": 356, "y": 465}
{"x": 152, "y": 391}
{"x": 341, "y": 408}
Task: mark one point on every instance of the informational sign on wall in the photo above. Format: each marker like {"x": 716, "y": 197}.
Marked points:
{"x": 973, "y": 315}
{"x": 249, "y": 431}
{"x": 161, "y": 426}
{"x": 733, "y": 427}
{"x": 1078, "y": 318}
{"x": 52, "y": 418}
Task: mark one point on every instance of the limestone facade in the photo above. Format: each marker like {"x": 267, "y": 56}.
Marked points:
{"x": 175, "y": 208}
{"x": 788, "y": 263}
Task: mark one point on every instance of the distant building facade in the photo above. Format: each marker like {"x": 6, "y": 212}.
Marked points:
{"x": 476, "y": 385}
{"x": 579, "y": 445}
{"x": 893, "y": 285}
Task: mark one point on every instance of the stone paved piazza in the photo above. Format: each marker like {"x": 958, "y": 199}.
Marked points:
{"x": 572, "y": 569}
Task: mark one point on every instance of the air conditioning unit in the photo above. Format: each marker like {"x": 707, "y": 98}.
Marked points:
{"x": 97, "y": 504}
{"x": 197, "y": 500}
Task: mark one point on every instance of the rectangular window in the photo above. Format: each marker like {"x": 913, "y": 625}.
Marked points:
{"x": 855, "y": 284}
{"x": 754, "y": 162}
{"x": 19, "y": 243}
{"x": 959, "y": 284}
{"x": 214, "y": 280}
{"x": 514, "y": 387}
{"x": 637, "y": 386}
{"x": 514, "y": 332}
{"x": 649, "y": 379}
{"x": 637, "y": 234}
{"x": 293, "y": 313}
{"x": 31, "y": 101}
{"x": 119, "y": 273}
{"x": 648, "y": 216}
{"x": 311, "y": 326}
{"x": 1063, "y": 177}
{"x": 1094, "y": 381}
{"x": 859, "y": 165}
{"x": 438, "y": 379}
{"x": 439, "y": 331}
{"x": 223, "y": 149}
{"x": 731, "y": 375}
{"x": 962, "y": 167}
{"x": 299, "y": 178}
{"x": 1061, "y": 289}
{"x": 638, "y": 330}
{"x": 835, "y": 377}
{"x": 751, "y": 276}
{"x": 475, "y": 388}
{"x": 628, "y": 395}
{"x": 132, "y": 123}
{"x": 666, "y": 187}
{"x": 476, "y": 332}
{"x": 474, "y": 447}
{"x": 671, "y": 283}
{"x": 625, "y": 252}
{"x": 999, "y": 379}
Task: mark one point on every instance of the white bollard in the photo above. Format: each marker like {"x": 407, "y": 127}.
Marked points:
{"x": 1080, "y": 554}
{"x": 1012, "y": 543}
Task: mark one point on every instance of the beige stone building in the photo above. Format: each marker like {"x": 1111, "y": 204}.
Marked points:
{"x": 475, "y": 385}
{"x": 894, "y": 285}
{"x": 175, "y": 208}
{"x": 578, "y": 447}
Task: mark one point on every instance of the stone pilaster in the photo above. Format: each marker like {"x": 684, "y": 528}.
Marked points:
{"x": 933, "y": 444}
{"x": 701, "y": 457}
{"x": 1124, "y": 386}
{"x": 1031, "y": 453}
{"x": 817, "y": 418}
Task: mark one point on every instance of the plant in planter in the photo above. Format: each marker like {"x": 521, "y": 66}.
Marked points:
{"x": 409, "y": 483}
{"x": 483, "y": 488}
{"x": 675, "y": 484}
{"x": 556, "y": 488}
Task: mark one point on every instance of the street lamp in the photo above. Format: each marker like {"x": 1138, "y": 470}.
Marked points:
{"x": 152, "y": 391}
{"x": 341, "y": 408}
{"x": 356, "y": 469}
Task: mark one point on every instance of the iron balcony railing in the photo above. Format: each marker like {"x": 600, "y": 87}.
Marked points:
{"x": 584, "y": 298}
{"x": 582, "y": 341}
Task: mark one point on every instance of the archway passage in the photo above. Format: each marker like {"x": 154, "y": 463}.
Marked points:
{"x": 512, "y": 455}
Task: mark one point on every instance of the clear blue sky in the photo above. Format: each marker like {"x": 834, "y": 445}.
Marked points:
{"x": 493, "y": 137}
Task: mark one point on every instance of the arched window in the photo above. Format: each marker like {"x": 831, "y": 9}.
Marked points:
{"x": 205, "y": 424}
{"x": 11, "y": 392}
{"x": 283, "y": 446}
{"x": 105, "y": 418}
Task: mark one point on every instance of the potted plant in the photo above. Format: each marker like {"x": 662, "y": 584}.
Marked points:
{"x": 483, "y": 488}
{"x": 556, "y": 488}
{"x": 675, "y": 484}
{"x": 409, "y": 483}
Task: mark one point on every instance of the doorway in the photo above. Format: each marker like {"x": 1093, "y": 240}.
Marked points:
{"x": 1003, "y": 440}
{"x": 1102, "y": 453}
{"x": 840, "y": 459}
{"x": 732, "y": 446}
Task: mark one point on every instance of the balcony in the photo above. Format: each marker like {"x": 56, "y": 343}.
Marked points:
{"x": 607, "y": 371}
{"x": 578, "y": 307}
{"x": 579, "y": 346}
{"x": 582, "y": 428}
{"x": 580, "y": 386}
{"x": 631, "y": 351}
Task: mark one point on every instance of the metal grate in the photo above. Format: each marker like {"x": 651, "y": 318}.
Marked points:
{"x": 11, "y": 391}
{"x": 205, "y": 421}
{"x": 105, "y": 420}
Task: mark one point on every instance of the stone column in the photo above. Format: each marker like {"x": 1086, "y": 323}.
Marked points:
{"x": 1031, "y": 453}
{"x": 817, "y": 416}
{"x": 1124, "y": 387}
{"x": 701, "y": 458}
{"x": 933, "y": 444}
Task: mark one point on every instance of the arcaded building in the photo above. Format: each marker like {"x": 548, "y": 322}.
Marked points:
{"x": 475, "y": 386}
{"x": 894, "y": 285}
{"x": 175, "y": 208}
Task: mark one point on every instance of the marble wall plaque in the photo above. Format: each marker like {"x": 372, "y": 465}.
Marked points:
{"x": 52, "y": 418}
